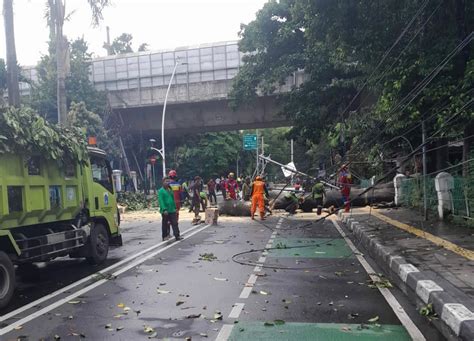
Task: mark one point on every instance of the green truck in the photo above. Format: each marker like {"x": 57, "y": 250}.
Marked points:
{"x": 49, "y": 211}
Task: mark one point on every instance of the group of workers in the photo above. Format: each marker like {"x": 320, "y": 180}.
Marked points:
{"x": 173, "y": 193}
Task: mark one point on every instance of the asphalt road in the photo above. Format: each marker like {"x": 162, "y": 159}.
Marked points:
{"x": 291, "y": 281}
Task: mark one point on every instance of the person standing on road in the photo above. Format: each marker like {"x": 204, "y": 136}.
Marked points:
{"x": 196, "y": 188}
{"x": 231, "y": 187}
{"x": 317, "y": 193}
{"x": 211, "y": 190}
{"x": 168, "y": 211}
{"x": 223, "y": 185}
{"x": 246, "y": 190}
{"x": 345, "y": 181}
{"x": 258, "y": 192}
{"x": 177, "y": 190}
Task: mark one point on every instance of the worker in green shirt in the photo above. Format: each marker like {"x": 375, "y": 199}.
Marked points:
{"x": 317, "y": 194}
{"x": 168, "y": 211}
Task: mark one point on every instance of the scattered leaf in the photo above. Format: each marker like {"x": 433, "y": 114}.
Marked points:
{"x": 373, "y": 319}
{"x": 218, "y": 316}
{"x": 119, "y": 328}
{"x": 263, "y": 292}
{"x": 148, "y": 329}
{"x": 203, "y": 334}
{"x": 279, "y": 322}
{"x": 269, "y": 324}
{"x": 193, "y": 316}
{"x": 74, "y": 302}
{"x": 221, "y": 279}
{"x": 121, "y": 305}
{"x": 179, "y": 303}
{"x": 163, "y": 291}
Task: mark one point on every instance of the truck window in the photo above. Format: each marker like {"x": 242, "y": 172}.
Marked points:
{"x": 15, "y": 198}
{"x": 102, "y": 173}
{"x": 34, "y": 163}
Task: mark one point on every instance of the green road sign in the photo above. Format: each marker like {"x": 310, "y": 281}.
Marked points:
{"x": 250, "y": 142}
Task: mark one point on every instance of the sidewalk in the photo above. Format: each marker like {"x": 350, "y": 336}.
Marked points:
{"x": 433, "y": 262}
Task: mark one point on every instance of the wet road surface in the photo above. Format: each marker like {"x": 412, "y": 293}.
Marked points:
{"x": 241, "y": 280}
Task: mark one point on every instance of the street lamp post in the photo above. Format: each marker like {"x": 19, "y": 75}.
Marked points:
{"x": 163, "y": 116}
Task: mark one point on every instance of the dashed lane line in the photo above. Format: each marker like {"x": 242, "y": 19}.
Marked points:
{"x": 94, "y": 285}
{"x": 236, "y": 310}
{"x": 225, "y": 332}
{"x": 226, "y": 329}
{"x": 409, "y": 325}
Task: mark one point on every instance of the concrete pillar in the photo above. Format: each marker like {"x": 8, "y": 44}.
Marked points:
{"x": 133, "y": 177}
{"x": 444, "y": 184}
{"x": 117, "y": 177}
{"x": 397, "y": 184}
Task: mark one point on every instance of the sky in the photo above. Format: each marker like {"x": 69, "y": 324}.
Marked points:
{"x": 163, "y": 24}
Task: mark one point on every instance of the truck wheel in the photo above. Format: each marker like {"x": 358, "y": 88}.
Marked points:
{"x": 7, "y": 279}
{"x": 98, "y": 245}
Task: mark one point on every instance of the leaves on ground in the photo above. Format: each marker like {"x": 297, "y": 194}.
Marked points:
{"x": 207, "y": 257}
{"x": 428, "y": 311}
{"x": 74, "y": 302}
{"x": 279, "y": 322}
{"x": 179, "y": 303}
{"x": 264, "y": 293}
{"x": 380, "y": 283}
{"x": 193, "y": 316}
{"x": 148, "y": 329}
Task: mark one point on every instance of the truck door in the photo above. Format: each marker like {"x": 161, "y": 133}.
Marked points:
{"x": 102, "y": 188}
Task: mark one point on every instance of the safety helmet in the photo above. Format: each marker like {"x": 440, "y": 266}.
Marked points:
{"x": 231, "y": 175}
{"x": 172, "y": 173}
{"x": 258, "y": 178}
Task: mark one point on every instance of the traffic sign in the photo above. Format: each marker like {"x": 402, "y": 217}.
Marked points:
{"x": 250, "y": 142}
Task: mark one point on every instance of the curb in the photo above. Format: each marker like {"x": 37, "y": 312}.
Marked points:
{"x": 454, "y": 308}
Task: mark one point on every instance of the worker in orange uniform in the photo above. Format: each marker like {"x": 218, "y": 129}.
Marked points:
{"x": 258, "y": 192}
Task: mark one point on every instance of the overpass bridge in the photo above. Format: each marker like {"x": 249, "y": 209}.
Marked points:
{"x": 136, "y": 85}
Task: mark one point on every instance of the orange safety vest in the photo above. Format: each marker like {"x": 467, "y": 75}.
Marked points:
{"x": 258, "y": 188}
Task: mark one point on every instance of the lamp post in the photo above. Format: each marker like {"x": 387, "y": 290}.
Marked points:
{"x": 162, "y": 152}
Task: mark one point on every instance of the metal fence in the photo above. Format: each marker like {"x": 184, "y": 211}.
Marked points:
{"x": 462, "y": 195}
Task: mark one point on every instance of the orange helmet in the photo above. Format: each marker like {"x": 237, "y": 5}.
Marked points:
{"x": 258, "y": 178}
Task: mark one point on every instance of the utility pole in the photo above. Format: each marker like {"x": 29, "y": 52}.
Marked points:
{"x": 258, "y": 161}
{"x": 425, "y": 198}
{"x": 12, "y": 65}
{"x": 291, "y": 148}
{"x": 107, "y": 44}
{"x": 62, "y": 56}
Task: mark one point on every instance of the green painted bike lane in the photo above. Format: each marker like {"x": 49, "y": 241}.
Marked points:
{"x": 328, "y": 271}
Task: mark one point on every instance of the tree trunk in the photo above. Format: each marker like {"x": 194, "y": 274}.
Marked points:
{"x": 441, "y": 154}
{"x": 61, "y": 55}
{"x": 12, "y": 65}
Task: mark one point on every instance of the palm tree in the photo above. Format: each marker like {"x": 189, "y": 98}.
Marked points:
{"x": 12, "y": 65}
{"x": 56, "y": 15}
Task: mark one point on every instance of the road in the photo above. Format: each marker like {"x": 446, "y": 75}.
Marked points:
{"x": 286, "y": 279}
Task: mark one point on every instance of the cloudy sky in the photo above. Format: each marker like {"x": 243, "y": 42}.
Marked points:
{"x": 162, "y": 24}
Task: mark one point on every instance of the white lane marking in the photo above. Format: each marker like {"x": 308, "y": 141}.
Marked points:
{"x": 94, "y": 285}
{"x": 225, "y": 332}
{"x": 236, "y": 310}
{"x": 269, "y": 245}
{"x": 84, "y": 280}
{"x": 257, "y": 269}
{"x": 411, "y": 328}
{"x": 246, "y": 292}
{"x": 265, "y": 253}
{"x": 262, "y": 259}
{"x": 252, "y": 279}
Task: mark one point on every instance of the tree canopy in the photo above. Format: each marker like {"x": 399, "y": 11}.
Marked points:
{"x": 339, "y": 45}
